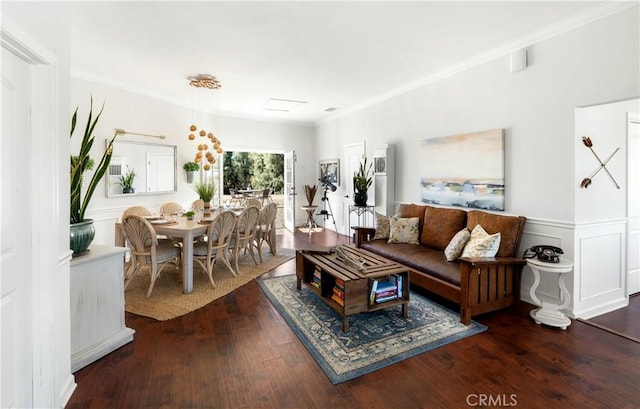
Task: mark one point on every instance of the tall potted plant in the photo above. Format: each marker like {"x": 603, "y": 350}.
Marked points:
{"x": 81, "y": 231}
{"x": 206, "y": 191}
{"x": 361, "y": 183}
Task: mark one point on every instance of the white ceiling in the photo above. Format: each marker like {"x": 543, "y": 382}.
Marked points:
{"x": 329, "y": 54}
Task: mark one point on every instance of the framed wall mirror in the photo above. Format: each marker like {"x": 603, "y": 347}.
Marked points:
{"x": 153, "y": 166}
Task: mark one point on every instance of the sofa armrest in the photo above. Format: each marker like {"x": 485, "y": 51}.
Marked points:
{"x": 479, "y": 261}
{"x": 362, "y": 234}
{"x": 487, "y": 284}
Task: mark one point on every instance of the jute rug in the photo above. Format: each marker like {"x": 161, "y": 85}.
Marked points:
{"x": 167, "y": 300}
{"x": 374, "y": 340}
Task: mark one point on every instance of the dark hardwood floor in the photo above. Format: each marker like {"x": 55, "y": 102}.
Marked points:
{"x": 237, "y": 352}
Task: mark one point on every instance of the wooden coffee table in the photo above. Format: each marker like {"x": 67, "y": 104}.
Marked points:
{"x": 334, "y": 276}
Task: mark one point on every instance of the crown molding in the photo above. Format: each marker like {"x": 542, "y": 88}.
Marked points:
{"x": 593, "y": 14}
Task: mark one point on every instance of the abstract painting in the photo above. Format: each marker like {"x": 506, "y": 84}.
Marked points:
{"x": 464, "y": 170}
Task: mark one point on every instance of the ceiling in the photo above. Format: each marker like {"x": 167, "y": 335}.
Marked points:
{"x": 329, "y": 54}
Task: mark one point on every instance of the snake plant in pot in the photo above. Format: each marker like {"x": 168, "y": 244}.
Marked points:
{"x": 81, "y": 231}
{"x": 361, "y": 183}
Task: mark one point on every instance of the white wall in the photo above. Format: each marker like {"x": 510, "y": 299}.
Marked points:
{"x": 593, "y": 64}
{"x": 600, "y": 251}
{"x": 136, "y": 113}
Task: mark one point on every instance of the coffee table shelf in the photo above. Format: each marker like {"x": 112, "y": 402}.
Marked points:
{"x": 355, "y": 284}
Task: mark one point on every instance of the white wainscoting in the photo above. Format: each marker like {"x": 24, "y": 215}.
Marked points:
{"x": 601, "y": 286}
{"x": 598, "y": 282}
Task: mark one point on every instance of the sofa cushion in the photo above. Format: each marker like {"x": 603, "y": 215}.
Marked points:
{"x": 413, "y": 210}
{"x": 404, "y": 230}
{"x": 509, "y": 227}
{"x": 440, "y": 225}
{"x": 456, "y": 245}
{"x": 481, "y": 244}
{"x": 420, "y": 258}
{"x": 382, "y": 227}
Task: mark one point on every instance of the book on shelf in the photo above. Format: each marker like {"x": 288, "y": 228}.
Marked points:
{"x": 383, "y": 288}
{"x": 337, "y": 299}
{"x": 385, "y": 299}
{"x": 315, "y": 284}
{"x": 338, "y": 292}
{"x": 386, "y": 293}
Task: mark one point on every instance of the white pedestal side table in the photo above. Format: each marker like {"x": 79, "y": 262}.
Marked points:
{"x": 549, "y": 312}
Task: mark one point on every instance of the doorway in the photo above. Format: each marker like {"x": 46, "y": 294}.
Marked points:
{"x": 256, "y": 175}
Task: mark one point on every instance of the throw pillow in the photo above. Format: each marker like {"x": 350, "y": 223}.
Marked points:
{"x": 456, "y": 245}
{"x": 382, "y": 227}
{"x": 481, "y": 243}
{"x": 404, "y": 230}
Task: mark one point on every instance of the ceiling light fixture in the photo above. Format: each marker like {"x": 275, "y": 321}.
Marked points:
{"x": 282, "y": 105}
{"x": 204, "y": 81}
{"x": 207, "y": 153}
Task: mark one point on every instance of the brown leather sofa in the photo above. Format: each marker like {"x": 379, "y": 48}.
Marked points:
{"x": 478, "y": 285}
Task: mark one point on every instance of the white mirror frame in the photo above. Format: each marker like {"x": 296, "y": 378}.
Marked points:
{"x": 155, "y": 166}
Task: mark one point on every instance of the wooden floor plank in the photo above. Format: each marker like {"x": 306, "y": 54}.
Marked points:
{"x": 237, "y": 352}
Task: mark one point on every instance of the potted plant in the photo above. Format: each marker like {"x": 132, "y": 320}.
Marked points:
{"x": 126, "y": 181}
{"x": 191, "y": 168}
{"x": 206, "y": 191}
{"x": 81, "y": 231}
{"x": 361, "y": 183}
{"x": 190, "y": 214}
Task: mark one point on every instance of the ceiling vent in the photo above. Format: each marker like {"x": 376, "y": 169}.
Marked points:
{"x": 282, "y": 105}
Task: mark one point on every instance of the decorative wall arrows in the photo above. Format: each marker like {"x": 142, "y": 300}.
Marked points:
{"x": 603, "y": 165}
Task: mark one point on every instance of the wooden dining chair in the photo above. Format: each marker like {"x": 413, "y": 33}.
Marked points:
{"x": 253, "y": 202}
{"x": 146, "y": 251}
{"x": 136, "y": 210}
{"x": 266, "y": 225}
{"x": 216, "y": 246}
{"x": 170, "y": 208}
{"x": 198, "y": 204}
{"x": 244, "y": 234}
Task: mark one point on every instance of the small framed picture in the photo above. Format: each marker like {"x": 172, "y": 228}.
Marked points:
{"x": 380, "y": 165}
{"x": 330, "y": 169}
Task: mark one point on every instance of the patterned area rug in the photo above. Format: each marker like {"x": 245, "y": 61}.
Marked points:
{"x": 167, "y": 300}
{"x": 374, "y": 340}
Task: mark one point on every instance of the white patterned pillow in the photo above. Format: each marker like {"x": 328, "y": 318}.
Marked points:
{"x": 481, "y": 243}
{"x": 404, "y": 230}
{"x": 456, "y": 245}
{"x": 382, "y": 226}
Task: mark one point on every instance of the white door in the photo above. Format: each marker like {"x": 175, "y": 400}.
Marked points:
{"x": 354, "y": 153}
{"x": 15, "y": 270}
{"x": 290, "y": 190}
{"x": 633, "y": 208}
{"x": 160, "y": 172}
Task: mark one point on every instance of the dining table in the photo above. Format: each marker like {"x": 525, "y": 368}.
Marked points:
{"x": 187, "y": 231}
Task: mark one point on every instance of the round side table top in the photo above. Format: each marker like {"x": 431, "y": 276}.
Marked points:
{"x": 561, "y": 267}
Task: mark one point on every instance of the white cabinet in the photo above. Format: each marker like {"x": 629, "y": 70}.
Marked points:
{"x": 383, "y": 170}
{"x": 97, "y": 305}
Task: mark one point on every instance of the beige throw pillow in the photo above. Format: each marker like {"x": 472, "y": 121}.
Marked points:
{"x": 456, "y": 245}
{"x": 481, "y": 244}
{"x": 383, "y": 226}
{"x": 404, "y": 230}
